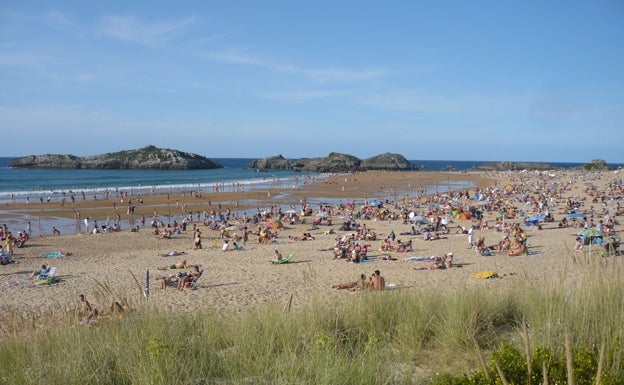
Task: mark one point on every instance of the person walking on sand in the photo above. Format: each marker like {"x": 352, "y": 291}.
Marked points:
{"x": 470, "y": 236}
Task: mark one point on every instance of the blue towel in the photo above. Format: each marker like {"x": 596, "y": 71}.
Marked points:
{"x": 417, "y": 259}
{"x": 53, "y": 254}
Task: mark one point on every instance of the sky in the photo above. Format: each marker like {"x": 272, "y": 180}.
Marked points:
{"x": 430, "y": 80}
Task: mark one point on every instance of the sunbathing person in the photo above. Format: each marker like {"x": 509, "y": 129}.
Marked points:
{"x": 501, "y": 246}
{"x": 165, "y": 234}
{"x": 88, "y": 313}
{"x": 41, "y": 273}
{"x": 438, "y": 262}
{"x": 175, "y": 266}
{"x": 376, "y": 282}
{"x": 402, "y": 247}
{"x": 413, "y": 231}
{"x": 184, "y": 282}
{"x": 6, "y": 259}
{"x": 172, "y": 253}
{"x": 429, "y": 236}
{"x": 362, "y": 283}
{"x": 170, "y": 279}
{"x": 481, "y": 248}
{"x": 517, "y": 248}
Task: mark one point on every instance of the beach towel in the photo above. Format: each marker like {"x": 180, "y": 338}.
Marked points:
{"x": 417, "y": 259}
{"x": 52, "y": 254}
{"x": 391, "y": 286}
{"x": 363, "y": 261}
{"x": 531, "y": 254}
{"x": 485, "y": 275}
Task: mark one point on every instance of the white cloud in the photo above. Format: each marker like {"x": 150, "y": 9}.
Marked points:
{"x": 297, "y": 96}
{"x": 23, "y": 59}
{"x": 60, "y": 19}
{"x": 132, "y": 30}
{"x": 330, "y": 74}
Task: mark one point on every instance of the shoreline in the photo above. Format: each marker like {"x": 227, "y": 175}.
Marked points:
{"x": 168, "y": 205}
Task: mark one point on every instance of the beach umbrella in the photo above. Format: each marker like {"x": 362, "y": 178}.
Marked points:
{"x": 590, "y": 233}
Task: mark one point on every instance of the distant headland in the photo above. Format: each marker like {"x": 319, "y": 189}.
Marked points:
{"x": 595, "y": 164}
{"x": 149, "y": 157}
{"x": 336, "y": 162}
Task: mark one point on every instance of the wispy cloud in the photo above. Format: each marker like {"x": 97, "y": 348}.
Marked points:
{"x": 23, "y": 59}
{"x": 297, "y": 96}
{"x": 62, "y": 20}
{"x": 329, "y": 74}
{"x": 419, "y": 101}
{"x": 133, "y": 30}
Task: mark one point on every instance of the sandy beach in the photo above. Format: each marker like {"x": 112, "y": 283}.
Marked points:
{"x": 113, "y": 265}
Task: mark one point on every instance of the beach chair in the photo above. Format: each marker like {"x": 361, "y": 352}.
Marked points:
{"x": 193, "y": 285}
{"x": 47, "y": 279}
{"x": 612, "y": 245}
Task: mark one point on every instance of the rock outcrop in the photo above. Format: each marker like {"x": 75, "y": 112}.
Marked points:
{"x": 272, "y": 163}
{"x": 387, "y": 161}
{"x": 596, "y": 164}
{"x": 149, "y": 157}
{"x": 511, "y": 166}
{"x": 334, "y": 162}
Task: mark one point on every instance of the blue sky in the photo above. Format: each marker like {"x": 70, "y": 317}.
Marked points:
{"x": 438, "y": 80}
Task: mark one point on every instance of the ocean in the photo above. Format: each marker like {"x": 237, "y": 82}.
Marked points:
{"x": 19, "y": 184}
{"x": 22, "y": 185}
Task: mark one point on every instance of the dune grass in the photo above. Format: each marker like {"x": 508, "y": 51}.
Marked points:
{"x": 494, "y": 333}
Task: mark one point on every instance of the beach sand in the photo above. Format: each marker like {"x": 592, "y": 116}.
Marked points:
{"x": 113, "y": 266}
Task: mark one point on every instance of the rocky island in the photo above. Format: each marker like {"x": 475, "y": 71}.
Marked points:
{"x": 149, "y": 157}
{"x": 335, "y": 162}
{"x": 595, "y": 164}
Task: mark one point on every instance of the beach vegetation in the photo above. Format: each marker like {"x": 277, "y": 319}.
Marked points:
{"x": 493, "y": 332}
